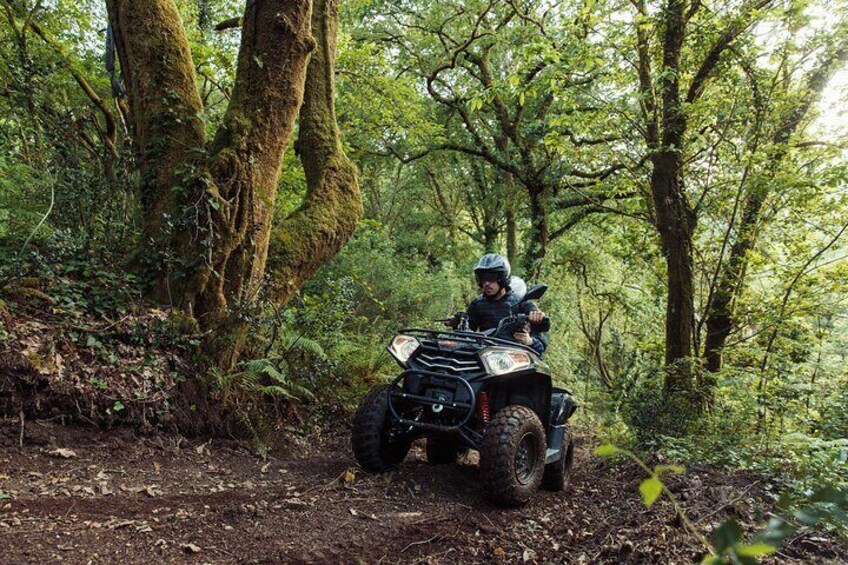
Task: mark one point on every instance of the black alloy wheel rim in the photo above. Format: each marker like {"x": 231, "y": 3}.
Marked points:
{"x": 525, "y": 459}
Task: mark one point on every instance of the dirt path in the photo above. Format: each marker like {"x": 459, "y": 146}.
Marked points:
{"x": 118, "y": 498}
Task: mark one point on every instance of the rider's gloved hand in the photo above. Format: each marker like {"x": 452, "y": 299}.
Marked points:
{"x": 454, "y": 322}
{"x": 523, "y": 337}
{"x": 536, "y": 316}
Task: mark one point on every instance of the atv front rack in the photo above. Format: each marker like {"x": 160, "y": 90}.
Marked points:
{"x": 461, "y": 411}
{"x": 470, "y": 338}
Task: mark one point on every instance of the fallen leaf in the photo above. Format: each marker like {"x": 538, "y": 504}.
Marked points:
{"x": 349, "y": 476}
{"x": 63, "y": 453}
{"x": 264, "y": 468}
{"x": 499, "y": 552}
{"x": 190, "y": 548}
{"x": 364, "y": 515}
{"x": 297, "y": 503}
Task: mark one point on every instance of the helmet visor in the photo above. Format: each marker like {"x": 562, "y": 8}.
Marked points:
{"x": 487, "y": 276}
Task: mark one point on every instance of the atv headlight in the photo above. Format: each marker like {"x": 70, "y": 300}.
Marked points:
{"x": 402, "y": 348}
{"x": 504, "y": 360}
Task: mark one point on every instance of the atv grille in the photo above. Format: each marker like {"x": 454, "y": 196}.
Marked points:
{"x": 457, "y": 363}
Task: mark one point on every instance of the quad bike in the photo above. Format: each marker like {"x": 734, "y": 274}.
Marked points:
{"x": 472, "y": 390}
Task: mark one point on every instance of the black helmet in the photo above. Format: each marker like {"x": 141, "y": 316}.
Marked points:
{"x": 493, "y": 263}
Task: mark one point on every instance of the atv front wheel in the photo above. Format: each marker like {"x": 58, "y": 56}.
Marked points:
{"x": 558, "y": 473}
{"x": 371, "y": 445}
{"x": 512, "y": 458}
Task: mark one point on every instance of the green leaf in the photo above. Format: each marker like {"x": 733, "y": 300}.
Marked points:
{"x": 727, "y": 535}
{"x": 118, "y": 406}
{"x": 651, "y": 489}
{"x": 521, "y": 99}
{"x": 828, "y": 494}
{"x": 676, "y": 469}
{"x": 606, "y": 450}
{"x": 756, "y": 549}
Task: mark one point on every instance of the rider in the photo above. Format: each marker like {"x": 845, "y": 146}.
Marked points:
{"x": 497, "y": 300}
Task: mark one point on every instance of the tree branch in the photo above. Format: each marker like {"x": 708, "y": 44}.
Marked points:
{"x": 230, "y": 23}
{"x": 739, "y": 25}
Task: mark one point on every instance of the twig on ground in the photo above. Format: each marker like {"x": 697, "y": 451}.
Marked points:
{"x": 322, "y": 487}
{"x": 729, "y": 503}
{"x": 222, "y": 550}
{"x": 422, "y": 542}
{"x": 23, "y": 428}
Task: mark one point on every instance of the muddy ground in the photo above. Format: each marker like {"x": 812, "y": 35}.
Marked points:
{"x": 77, "y": 495}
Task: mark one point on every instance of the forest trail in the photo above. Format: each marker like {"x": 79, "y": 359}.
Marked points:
{"x": 75, "y": 495}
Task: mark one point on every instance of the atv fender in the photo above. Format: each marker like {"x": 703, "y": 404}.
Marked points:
{"x": 562, "y": 408}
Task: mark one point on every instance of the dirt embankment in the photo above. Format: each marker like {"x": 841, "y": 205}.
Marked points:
{"x": 75, "y": 495}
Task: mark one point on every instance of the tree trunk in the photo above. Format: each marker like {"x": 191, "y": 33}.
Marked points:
{"x": 720, "y": 319}
{"x": 317, "y": 230}
{"x": 539, "y": 233}
{"x": 511, "y": 232}
{"x": 247, "y": 153}
{"x": 209, "y": 210}
{"x": 676, "y": 223}
{"x": 675, "y": 219}
{"x": 169, "y": 135}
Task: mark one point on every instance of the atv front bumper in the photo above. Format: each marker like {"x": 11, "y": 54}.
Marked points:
{"x": 431, "y": 401}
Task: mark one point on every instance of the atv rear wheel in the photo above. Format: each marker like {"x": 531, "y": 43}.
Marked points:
{"x": 512, "y": 458}
{"x": 442, "y": 449}
{"x": 558, "y": 474}
{"x": 371, "y": 445}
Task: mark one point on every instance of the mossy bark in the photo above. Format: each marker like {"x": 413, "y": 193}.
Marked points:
{"x": 169, "y": 135}
{"x": 247, "y": 153}
{"x": 333, "y": 206}
{"x": 210, "y": 206}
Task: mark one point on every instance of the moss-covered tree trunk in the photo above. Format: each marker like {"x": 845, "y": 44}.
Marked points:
{"x": 169, "y": 136}
{"x": 325, "y": 221}
{"x": 208, "y": 207}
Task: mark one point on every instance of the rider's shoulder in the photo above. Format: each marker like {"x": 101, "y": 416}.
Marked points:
{"x": 512, "y": 298}
{"x": 527, "y": 307}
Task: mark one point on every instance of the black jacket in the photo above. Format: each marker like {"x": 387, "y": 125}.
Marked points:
{"x": 485, "y": 313}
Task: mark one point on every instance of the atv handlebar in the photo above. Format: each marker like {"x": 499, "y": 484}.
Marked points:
{"x": 460, "y": 320}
